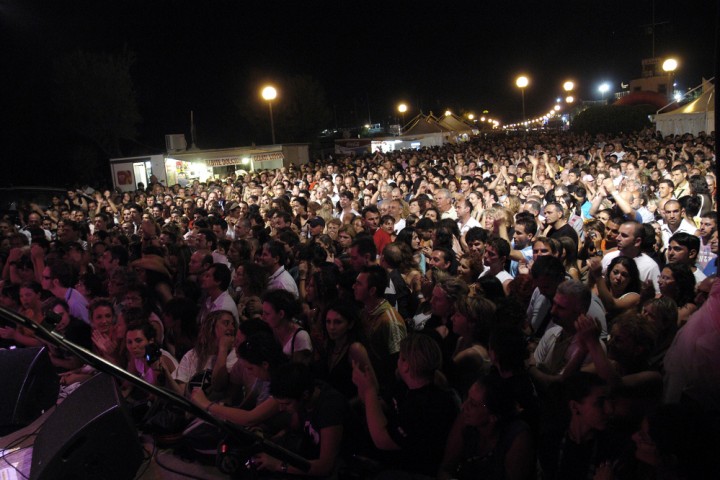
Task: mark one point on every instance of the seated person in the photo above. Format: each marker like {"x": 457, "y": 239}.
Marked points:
{"x": 416, "y": 427}
{"x": 209, "y": 363}
{"x": 145, "y": 361}
{"x": 318, "y": 414}
{"x": 258, "y": 356}
{"x": 73, "y": 329}
{"x": 580, "y": 442}
{"x": 487, "y": 440}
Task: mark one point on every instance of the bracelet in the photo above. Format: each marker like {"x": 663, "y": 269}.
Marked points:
{"x": 207, "y": 409}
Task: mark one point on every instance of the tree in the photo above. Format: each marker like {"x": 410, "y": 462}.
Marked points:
{"x": 613, "y": 119}
{"x": 95, "y": 98}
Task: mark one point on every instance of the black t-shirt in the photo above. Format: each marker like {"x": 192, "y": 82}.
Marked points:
{"x": 562, "y": 458}
{"x": 419, "y": 421}
{"x": 564, "y": 231}
{"x": 330, "y": 409}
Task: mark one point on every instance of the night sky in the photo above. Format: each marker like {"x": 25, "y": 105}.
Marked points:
{"x": 210, "y": 56}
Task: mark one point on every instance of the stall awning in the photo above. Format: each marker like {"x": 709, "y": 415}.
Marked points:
{"x": 238, "y": 159}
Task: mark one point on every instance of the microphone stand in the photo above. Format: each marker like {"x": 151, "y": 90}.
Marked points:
{"x": 237, "y": 432}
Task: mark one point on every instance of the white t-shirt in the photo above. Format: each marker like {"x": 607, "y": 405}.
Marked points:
{"x": 302, "y": 342}
{"x": 647, "y": 267}
{"x": 188, "y": 365}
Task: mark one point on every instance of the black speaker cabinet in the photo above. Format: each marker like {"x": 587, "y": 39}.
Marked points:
{"x": 89, "y": 436}
{"x": 29, "y": 387}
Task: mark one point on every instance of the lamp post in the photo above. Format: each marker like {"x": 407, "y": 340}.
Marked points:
{"x": 269, "y": 94}
{"x": 669, "y": 66}
{"x": 522, "y": 82}
{"x": 402, "y": 108}
{"x": 603, "y": 88}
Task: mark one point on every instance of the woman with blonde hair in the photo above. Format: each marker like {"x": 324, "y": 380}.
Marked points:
{"x": 512, "y": 203}
{"x": 211, "y": 359}
{"x": 346, "y": 235}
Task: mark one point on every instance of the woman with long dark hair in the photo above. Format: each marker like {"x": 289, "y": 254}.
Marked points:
{"x": 619, "y": 289}
{"x": 677, "y": 281}
{"x": 342, "y": 346}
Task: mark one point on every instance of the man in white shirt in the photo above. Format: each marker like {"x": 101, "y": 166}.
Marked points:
{"x": 465, "y": 219}
{"x": 273, "y": 258}
{"x": 444, "y": 200}
{"x": 683, "y": 248}
{"x": 629, "y": 241}
{"x": 214, "y": 283}
{"x": 675, "y": 221}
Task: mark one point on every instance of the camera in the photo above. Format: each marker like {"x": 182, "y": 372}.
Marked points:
{"x": 152, "y": 353}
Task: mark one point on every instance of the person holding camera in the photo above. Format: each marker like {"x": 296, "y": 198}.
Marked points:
{"x": 145, "y": 357}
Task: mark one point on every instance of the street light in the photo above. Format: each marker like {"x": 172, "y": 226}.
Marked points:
{"x": 402, "y": 108}
{"x": 568, "y": 86}
{"x": 604, "y": 88}
{"x": 569, "y": 99}
{"x": 522, "y": 82}
{"x": 269, "y": 94}
{"x": 670, "y": 65}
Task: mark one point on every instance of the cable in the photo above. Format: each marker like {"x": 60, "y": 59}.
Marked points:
{"x": 165, "y": 467}
{"x": 11, "y": 445}
{"x": 147, "y": 460}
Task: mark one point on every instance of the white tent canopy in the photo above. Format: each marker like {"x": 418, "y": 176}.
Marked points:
{"x": 695, "y": 117}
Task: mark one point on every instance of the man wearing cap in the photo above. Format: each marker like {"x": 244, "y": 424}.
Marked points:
{"x": 316, "y": 226}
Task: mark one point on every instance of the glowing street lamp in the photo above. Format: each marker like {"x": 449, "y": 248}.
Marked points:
{"x": 471, "y": 116}
{"x": 603, "y": 89}
{"x": 522, "y": 82}
{"x": 568, "y": 86}
{"x": 569, "y": 99}
{"x": 670, "y": 65}
{"x": 269, "y": 93}
{"x": 402, "y": 108}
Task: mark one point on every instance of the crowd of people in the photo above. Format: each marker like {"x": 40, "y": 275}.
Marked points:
{"x": 542, "y": 305}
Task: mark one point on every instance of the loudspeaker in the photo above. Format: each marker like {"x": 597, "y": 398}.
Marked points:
{"x": 29, "y": 387}
{"x": 89, "y": 436}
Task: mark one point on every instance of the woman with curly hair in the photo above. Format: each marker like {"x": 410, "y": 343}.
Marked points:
{"x": 212, "y": 357}
{"x": 410, "y": 237}
{"x": 251, "y": 279}
{"x": 699, "y": 189}
{"x": 470, "y": 267}
{"x": 512, "y": 203}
